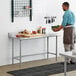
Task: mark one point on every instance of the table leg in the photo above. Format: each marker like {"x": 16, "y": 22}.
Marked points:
{"x": 12, "y": 51}
{"x": 56, "y": 46}
{"x": 44, "y": 48}
{"x": 65, "y": 66}
{"x": 47, "y": 47}
{"x": 20, "y": 53}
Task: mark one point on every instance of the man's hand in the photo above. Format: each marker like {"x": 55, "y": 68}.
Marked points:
{"x": 58, "y": 29}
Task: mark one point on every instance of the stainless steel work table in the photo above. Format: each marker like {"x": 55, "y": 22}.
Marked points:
{"x": 67, "y": 55}
{"x": 47, "y": 36}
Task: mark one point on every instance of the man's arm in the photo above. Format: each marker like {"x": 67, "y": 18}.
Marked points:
{"x": 64, "y": 23}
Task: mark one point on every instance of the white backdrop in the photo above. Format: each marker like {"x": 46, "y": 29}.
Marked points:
{"x": 41, "y": 8}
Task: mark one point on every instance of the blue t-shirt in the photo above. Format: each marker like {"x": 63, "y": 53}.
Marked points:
{"x": 68, "y": 18}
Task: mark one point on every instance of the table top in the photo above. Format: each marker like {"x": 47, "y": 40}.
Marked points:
{"x": 68, "y": 54}
{"x": 13, "y": 36}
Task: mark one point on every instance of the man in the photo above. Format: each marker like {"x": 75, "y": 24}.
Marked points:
{"x": 68, "y": 27}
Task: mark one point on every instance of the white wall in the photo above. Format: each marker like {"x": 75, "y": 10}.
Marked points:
{"x": 41, "y": 8}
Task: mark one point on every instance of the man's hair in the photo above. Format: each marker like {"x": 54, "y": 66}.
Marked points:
{"x": 66, "y": 4}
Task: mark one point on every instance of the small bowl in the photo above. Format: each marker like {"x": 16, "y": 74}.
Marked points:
{"x": 53, "y": 27}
